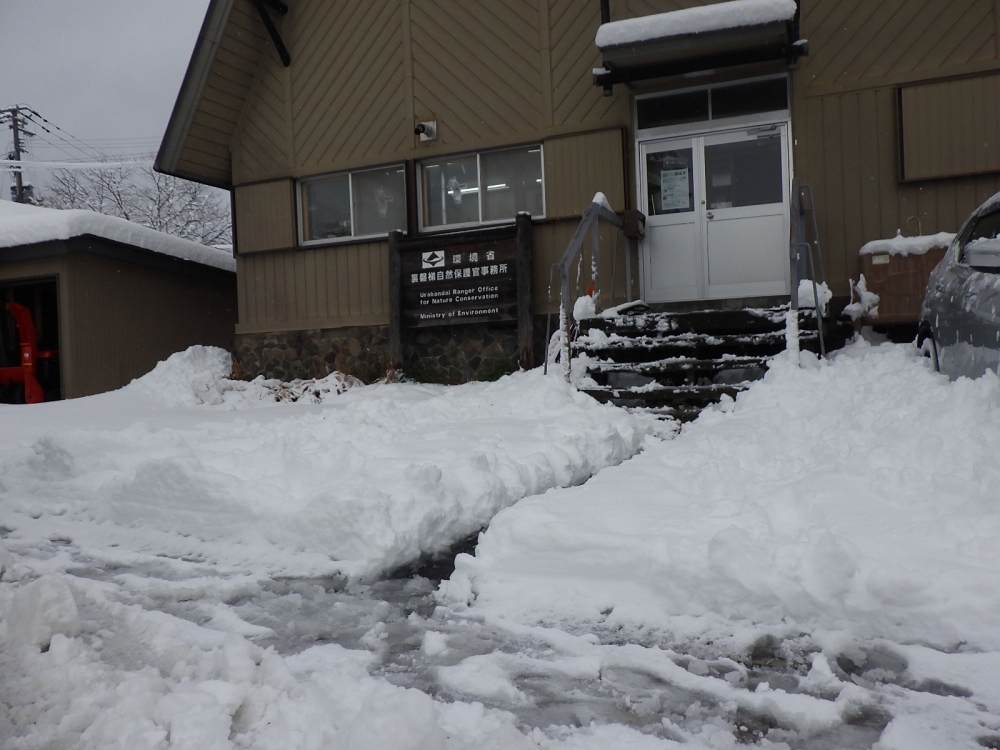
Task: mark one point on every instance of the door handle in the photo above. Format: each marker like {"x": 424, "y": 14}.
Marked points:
{"x": 710, "y": 215}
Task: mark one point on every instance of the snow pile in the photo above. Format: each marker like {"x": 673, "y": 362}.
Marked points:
{"x": 696, "y": 20}
{"x": 807, "y": 294}
{"x": 366, "y": 481}
{"x": 199, "y": 376}
{"x": 903, "y": 246}
{"x": 22, "y": 224}
{"x": 867, "y": 304}
{"x": 214, "y": 691}
{"x": 830, "y": 498}
{"x": 584, "y": 308}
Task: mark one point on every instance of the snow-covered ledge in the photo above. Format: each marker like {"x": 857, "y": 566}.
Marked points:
{"x": 699, "y": 20}
{"x": 706, "y": 37}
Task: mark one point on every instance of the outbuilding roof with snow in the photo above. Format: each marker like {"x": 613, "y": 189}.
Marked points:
{"x": 27, "y": 225}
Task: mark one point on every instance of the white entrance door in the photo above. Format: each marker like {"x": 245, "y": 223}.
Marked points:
{"x": 717, "y": 215}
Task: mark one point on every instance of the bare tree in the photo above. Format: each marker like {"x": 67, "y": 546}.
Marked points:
{"x": 168, "y": 204}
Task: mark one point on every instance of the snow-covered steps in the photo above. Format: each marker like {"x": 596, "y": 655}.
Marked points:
{"x": 676, "y": 364}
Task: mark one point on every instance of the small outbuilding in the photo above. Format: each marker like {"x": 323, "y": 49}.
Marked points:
{"x": 108, "y": 298}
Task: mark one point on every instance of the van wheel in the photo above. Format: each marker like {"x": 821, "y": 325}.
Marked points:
{"x": 928, "y": 346}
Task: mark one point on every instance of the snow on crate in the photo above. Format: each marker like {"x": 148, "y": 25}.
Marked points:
{"x": 696, "y": 20}
{"x": 22, "y": 224}
{"x": 903, "y": 246}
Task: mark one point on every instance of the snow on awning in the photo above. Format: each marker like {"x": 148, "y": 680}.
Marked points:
{"x": 705, "y": 37}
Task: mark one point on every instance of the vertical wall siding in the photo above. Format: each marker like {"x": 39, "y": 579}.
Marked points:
{"x": 845, "y": 118}
{"x": 577, "y": 167}
{"x": 849, "y": 156}
{"x": 125, "y": 318}
{"x": 326, "y": 287}
{"x": 951, "y": 128}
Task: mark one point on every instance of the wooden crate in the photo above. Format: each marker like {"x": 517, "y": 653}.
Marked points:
{"x": 900, "y": 281}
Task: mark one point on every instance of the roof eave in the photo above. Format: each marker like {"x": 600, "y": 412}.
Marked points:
{"x": 191, "y": 92}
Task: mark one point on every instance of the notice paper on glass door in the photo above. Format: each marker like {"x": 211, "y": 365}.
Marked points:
{"x": 674, "y": 192}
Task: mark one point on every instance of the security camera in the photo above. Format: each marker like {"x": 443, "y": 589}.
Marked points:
{"x": 426, "y": 130}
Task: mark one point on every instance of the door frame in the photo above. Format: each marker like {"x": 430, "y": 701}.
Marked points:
{"x": 699, "y": 129}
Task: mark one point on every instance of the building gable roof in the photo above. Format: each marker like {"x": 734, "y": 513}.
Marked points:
{"x": 226, "y": 58}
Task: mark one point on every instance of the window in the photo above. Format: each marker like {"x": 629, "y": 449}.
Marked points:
{"x": 487, "y": 187}
{"x": 357, "y": 204}
{"x": 981, "y": 243}
{"x": 713, "y": 103}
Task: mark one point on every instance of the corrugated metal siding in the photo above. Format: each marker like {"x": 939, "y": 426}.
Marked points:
{"x": 950, "y": 128}
{"x": 328, "y": 287}
{"x": 578, "y": 166}
{"x": 265, "y": 216}
{"x": 124, "y": 318}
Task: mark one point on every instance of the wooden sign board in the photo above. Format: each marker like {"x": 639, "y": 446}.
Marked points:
{"x": 473, "y": 276}
{"x": 471, "y": 283}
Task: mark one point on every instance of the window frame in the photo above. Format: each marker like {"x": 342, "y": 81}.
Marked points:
{"x": 300, "y": 205}
{"x": 419, "y": 175}
{"x": 711, "y": 123}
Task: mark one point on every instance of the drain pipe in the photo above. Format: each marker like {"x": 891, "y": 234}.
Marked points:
{"x": 605, "y": 11}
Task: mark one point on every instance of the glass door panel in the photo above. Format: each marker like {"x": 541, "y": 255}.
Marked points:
{"x": 746, "y": 216}
{"x": 672, "y": 197}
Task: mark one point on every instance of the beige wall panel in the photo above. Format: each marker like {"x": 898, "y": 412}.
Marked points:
{"x": 323, "y": 287}
{"x": 265, "y": 216}
{"x": 476, "y": 67}
{"x": 951, "y": 128}
{"x": 226, "y": 89}
{"x": 578, "y": 166}
{"x": 575, "y": 98}
{"x": 140, "y": 315}
{"x": 347, "y": 97}
{"x": 262, "y": 143}
{"x": 854, "y": 40}
{"x": 550, "y": 239}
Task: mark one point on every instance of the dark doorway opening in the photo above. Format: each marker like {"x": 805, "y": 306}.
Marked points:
{"x": 41, "y": 297}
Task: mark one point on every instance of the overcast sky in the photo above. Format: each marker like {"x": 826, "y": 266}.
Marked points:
{"x": 105, "y": 71}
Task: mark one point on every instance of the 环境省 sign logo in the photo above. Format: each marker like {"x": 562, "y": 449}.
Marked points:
{"x": 433, "y": 259}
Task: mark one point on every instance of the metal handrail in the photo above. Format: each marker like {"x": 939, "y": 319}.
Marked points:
{"x": 799, "y": 244}
{"x": 589, "y": 221}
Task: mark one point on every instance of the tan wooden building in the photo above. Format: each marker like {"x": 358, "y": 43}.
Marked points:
{"x": 888, "y": 110}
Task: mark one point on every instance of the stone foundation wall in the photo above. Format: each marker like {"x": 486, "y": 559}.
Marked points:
{"x": 445, "y": 354}
{"x": 288, "y": 355}
{"x": 458, "y": 354}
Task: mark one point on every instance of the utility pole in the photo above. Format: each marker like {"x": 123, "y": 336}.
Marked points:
{"x": 15, "y": 118}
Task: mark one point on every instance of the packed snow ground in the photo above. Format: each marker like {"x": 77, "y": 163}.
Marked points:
{"x": 189, "y": 564}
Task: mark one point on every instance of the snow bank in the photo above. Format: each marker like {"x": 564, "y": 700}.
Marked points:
{"x": 903, "y": 246}
{"x": 697, "y": 20}
{"x": 834, "y": 498}
{"x": 22, "y": 224}
{"x": 369, "y": 480}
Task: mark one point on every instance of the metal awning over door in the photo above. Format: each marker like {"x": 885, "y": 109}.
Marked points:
{"x": 706, "y": 37}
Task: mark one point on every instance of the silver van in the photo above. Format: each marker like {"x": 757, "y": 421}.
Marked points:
{"x": 960, "y": 315}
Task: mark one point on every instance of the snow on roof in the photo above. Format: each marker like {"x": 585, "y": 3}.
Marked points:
{"x": 716, "y": 17}
{"x": 900, "y": 245}
{"x": 22, "y": 224}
